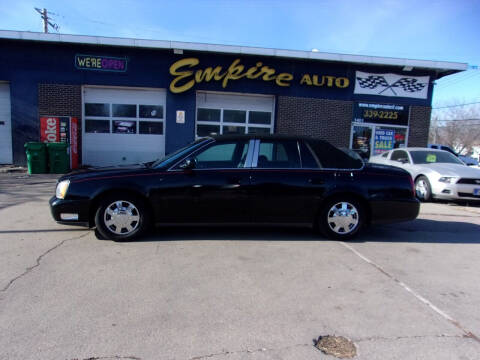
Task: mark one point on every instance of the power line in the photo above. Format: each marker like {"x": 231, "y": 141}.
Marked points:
{"x": 456, "y": 81}
{"x": 450, "y": 106}
{"x": 439, "y": 120}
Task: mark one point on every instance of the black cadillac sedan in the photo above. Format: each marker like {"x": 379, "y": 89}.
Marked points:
{"x": 239, "y": 180}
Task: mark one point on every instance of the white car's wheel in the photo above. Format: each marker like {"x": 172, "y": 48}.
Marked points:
{"x": 423, "y": 189}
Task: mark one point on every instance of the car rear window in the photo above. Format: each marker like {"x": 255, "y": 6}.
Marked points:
{"x": 331, "y": 157}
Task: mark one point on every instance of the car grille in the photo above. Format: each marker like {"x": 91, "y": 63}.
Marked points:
{"x": 462, "y": 194}
{"x": 469, "y": 181}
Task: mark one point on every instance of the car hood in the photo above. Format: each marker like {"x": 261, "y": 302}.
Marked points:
{"x": 94, "y": 171}
{"x": 453, "y": 170}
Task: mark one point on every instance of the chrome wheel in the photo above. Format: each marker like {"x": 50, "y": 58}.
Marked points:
{"x": 421, "y": 188}
{"x": 121, "y": 217}
{"x": 342, "y": 218}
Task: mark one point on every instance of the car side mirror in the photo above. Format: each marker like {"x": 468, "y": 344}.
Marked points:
{"x": 189, "y": 164}
{"x": 403, "y": 161}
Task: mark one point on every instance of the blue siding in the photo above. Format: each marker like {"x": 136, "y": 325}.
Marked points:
{"x": 26, "y": 64}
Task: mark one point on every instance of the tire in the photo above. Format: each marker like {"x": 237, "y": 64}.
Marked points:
{"x": 122, "y": 217}
{"x": 341, "y": 218}
{"x": 423, "y": 189}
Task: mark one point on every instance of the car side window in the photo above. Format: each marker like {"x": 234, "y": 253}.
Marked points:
{"x": 400, "y": 156}
{"x": 278, "y": 154}
{"x": 225, "y": 155}
{"x": 385, "y": 154}
{"x": 308, "y": 159}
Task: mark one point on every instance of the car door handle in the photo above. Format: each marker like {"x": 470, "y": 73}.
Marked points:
{"x": 233, "y": 183}
{"x": 316, "y": 181}
{"x": 231, "y": 186}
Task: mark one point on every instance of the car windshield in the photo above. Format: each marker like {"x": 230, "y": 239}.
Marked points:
{"x": 173, "y": 157}
{"x": 433, "y": 157}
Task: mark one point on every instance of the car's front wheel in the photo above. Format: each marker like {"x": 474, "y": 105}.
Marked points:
{"x": 121, "y": 218}
{"x": 423, "y": 189}
{"x": 341, "y": 218}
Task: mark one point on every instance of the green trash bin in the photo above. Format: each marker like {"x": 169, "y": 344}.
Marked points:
{"x": 36, "y": 157}
{"x": 58, "y": 158}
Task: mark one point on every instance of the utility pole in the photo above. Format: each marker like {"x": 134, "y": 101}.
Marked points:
{"x": 46, "y": 20}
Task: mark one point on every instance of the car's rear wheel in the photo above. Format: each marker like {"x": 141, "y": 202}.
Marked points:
{"x": 423, "y": 190}
{"x": 341, "y": 218}
{"x": 121, "y": 218}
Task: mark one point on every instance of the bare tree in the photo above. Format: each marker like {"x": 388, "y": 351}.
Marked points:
{"x": 457, "y": 126}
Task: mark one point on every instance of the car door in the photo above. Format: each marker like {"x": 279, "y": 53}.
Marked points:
{"x": 282, "y": 191}
{"x": 212, "y": 190}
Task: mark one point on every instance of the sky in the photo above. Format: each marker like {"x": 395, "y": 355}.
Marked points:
{"x": 421, "y": 29}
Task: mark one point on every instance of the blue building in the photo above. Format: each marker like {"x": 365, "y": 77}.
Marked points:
{"x": 133, "y": 100}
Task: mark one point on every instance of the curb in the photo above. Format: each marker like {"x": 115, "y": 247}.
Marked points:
{"x": 17, "y": 169}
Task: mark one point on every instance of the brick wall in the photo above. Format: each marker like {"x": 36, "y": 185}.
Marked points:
{"x": 326, "y": 119}
{"x": 419, "y": 125}
{"x": 62, "y": 100}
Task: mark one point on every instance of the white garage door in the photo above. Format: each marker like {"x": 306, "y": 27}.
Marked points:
{"x": 220, "y": 113}
{"x": 122, "y": 125}
{"x": 5, "y": 125}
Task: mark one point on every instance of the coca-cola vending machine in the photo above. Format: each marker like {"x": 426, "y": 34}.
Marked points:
{"x": 61, "y": 129}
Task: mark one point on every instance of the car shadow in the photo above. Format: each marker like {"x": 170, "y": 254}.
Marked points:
{"x": 419, "y": 230}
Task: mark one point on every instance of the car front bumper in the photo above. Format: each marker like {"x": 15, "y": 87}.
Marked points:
{"x": 456, "y": 191}
{"x": 70, "y": 212}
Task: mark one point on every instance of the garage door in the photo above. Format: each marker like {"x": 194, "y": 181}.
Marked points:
{"x": 5, "y": 125}
{"x": 122, "y": 126}
{"x": 219, "y": 113}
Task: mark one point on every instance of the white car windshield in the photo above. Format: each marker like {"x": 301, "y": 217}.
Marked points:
{"x": 433, "y": 157}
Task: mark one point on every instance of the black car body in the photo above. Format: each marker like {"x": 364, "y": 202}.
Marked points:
{"x": 238, "y": 180}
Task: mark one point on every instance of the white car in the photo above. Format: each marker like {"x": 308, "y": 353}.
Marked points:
{"x": 436, "y": 173}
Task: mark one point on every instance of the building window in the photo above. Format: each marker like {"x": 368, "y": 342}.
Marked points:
{"x": 231, "y": 121}
{"x": 97, "y": 126}
{"x": 142, "y": 119}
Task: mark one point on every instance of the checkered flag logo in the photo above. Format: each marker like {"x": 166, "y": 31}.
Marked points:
{"x": 409, "y": 84}
{"x": 372, "y": 81}
{"x": 406, "y": 84}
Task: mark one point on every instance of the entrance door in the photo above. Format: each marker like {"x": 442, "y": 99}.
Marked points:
{"x": 5, "y": 125}
{"x": 362, "y": 140}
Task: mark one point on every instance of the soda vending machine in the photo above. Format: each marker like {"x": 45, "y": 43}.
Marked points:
{"x": 61, "y": 129}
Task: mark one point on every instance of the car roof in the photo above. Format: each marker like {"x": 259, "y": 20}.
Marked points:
{"x": 420, "y": 148}
{"x": 264, "y": 137}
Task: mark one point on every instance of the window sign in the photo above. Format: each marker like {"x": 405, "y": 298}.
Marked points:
{"x": 388, "y": 114}
{"x": 384, "y": 139}
{"x": 100, "y": 63}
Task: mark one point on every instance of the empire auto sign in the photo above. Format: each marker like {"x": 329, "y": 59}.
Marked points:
{"x": 187, "y": 73}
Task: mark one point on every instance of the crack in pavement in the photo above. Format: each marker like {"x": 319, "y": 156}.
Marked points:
{"x": 246, "y": 351}
{"x": 466, "y": 332}
{"x": 394, "y": 338}
{"x": 109, "y": 357}
{"x": 38, "y": 261}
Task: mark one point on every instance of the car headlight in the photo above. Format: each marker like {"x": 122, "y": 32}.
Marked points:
{"x": 62, "y": 188}
{"x": 447, "y": 179}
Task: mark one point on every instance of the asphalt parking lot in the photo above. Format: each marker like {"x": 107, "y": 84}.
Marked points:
{"x": 403, "y": 291}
